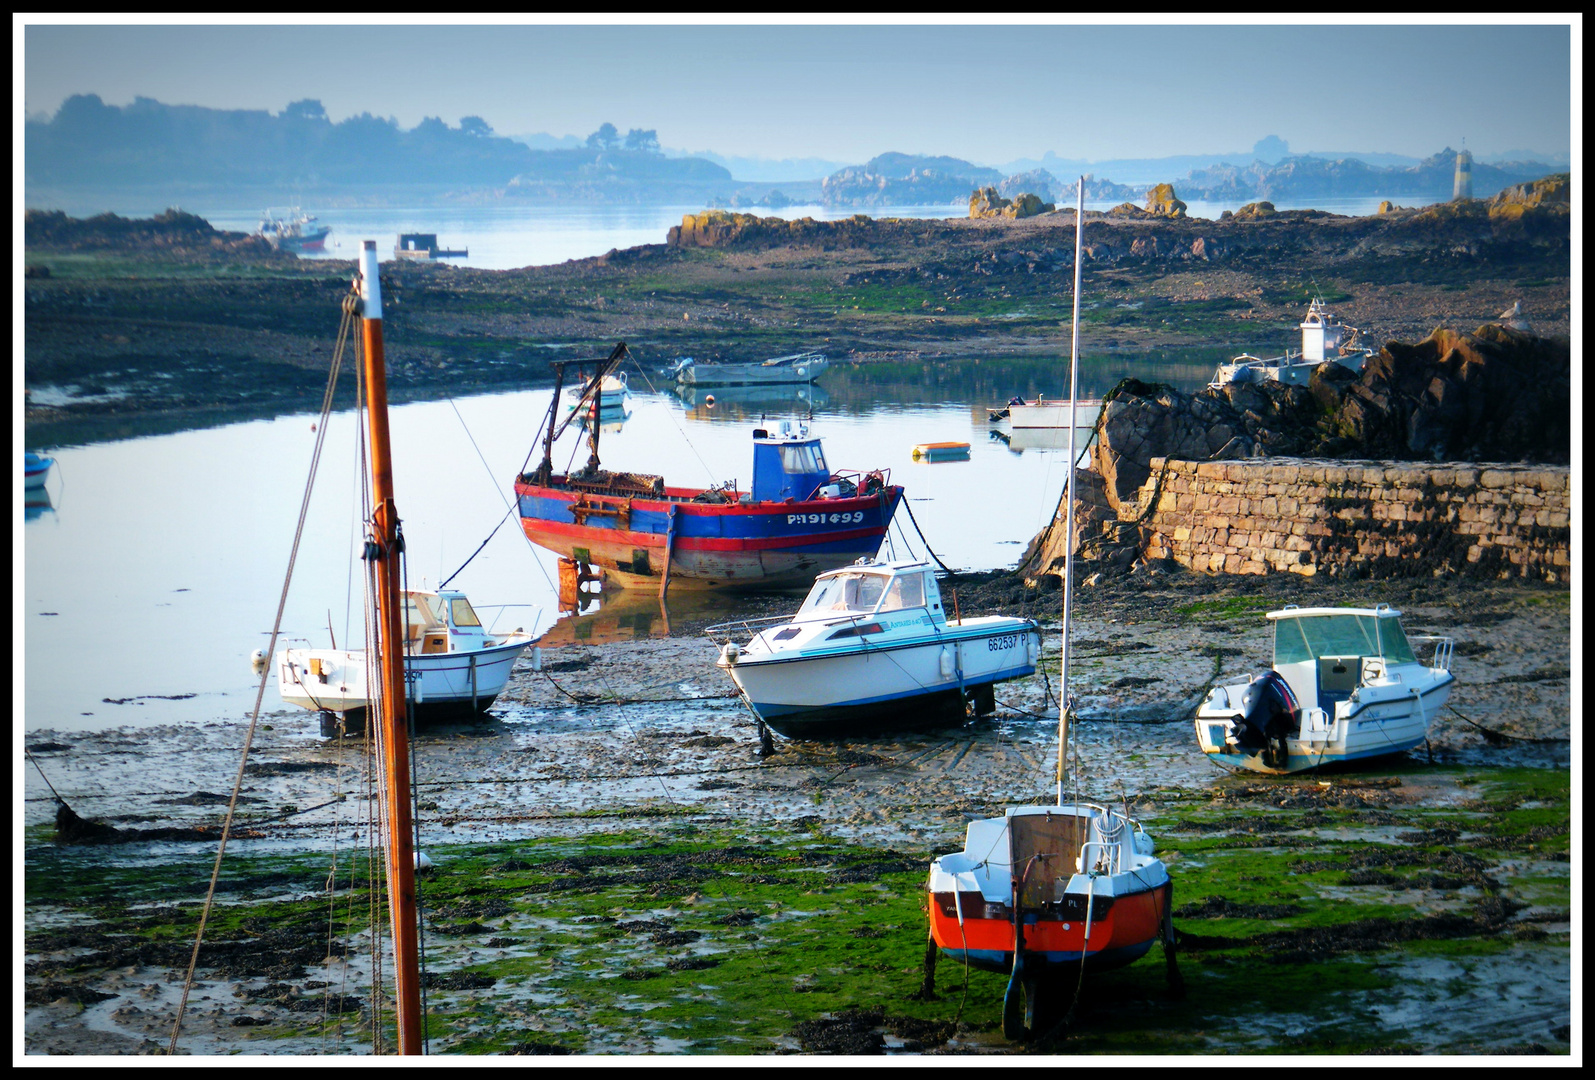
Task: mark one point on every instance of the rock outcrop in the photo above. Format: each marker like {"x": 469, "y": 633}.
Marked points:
{"x": 1497, "y": 394}
{"x": 1550, "y": 195}
{"x": 988, "y": 203}
{"x": 1162, "y": 201}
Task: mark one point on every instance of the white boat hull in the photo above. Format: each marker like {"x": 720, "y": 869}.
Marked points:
{"x": 465, "y": 682}
{"x": 1391, "y": 722}
{"x": 812, "y": 691}
{"x": 751, "y": 374}
{"x": 1054, "y": 414}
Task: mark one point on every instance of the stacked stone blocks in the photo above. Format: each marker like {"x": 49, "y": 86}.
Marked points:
{"x": 1368, "y": 518}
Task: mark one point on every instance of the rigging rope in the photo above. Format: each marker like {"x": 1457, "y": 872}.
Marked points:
{"x": 344, "y": 328}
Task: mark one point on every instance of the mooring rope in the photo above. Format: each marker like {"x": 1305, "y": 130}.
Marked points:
{"x": 350, "y": 307}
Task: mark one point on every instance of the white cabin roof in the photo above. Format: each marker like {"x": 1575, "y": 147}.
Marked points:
{"x": 1382, "y": 611}
{"x": 884, "y": 568}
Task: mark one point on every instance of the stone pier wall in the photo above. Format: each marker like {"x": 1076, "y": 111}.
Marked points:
{"x": 1362, "y": 518}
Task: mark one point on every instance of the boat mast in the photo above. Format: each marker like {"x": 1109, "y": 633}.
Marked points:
{"x": 384, "y": 551}
{"x": 1068, "y": 491}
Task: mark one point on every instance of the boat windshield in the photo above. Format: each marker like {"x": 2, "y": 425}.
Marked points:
{"x": 844, "y": 592}
{"x": 1312, "y": 636}
{"x": 419, "y": 611}
{"x": 906, "y": 591}
{"x": 462, "y": 613}
{"x": 803, "y": 458}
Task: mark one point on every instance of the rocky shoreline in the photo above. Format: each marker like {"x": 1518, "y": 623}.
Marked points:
{"x": 125, "y": 333}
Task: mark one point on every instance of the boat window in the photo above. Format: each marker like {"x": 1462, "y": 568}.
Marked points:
{"x": 1311, "y": 636}
{"x": 907, "y": 591}
{"x": 845, "y": 592}
{"x": 462, "y": 613}
{"x": 803, "y": 458}
{"x": 418, "y": 611}
{"x": 1393, "y": 641}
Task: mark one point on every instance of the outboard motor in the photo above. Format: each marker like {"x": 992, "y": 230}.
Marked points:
{"x": 1271, "y": 714}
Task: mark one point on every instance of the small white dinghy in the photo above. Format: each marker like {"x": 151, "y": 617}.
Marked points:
{"x": 872, "y": 642}
{"x": 1345, "y": 685}
{"x": 453, "y": 667}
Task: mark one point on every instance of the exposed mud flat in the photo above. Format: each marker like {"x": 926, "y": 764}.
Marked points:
{"x": 618, "y": 755}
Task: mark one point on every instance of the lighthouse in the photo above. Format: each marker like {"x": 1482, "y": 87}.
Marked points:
{"x": 1462, "y": 187}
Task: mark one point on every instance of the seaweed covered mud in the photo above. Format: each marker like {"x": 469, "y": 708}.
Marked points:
{"x": 617, "y": 869}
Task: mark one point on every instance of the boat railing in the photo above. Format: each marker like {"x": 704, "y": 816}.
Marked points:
{"x": 1443, "y": 648}
{"x": 745, "y": 626}
{"x": 1108, "y": 856}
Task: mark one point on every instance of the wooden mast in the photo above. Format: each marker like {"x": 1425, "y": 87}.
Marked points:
{"x": 384, "y": 551}
{"x": 1068, "y": 490}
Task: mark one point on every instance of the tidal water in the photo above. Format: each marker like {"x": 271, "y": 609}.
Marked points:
{"x": 154, "y": 567}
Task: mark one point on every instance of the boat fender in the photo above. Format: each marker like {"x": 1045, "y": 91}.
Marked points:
{"x": 729, "y": 654}
{"x": 948, "y": 666}
{"x": 422, "y": 863}
{"x": 537, "y": 658}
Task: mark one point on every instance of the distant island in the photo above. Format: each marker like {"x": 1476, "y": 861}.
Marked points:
{"x": 168, "y": 152}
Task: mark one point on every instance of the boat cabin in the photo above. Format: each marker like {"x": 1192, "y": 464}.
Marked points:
{"x": 441, "y": 622}
{"x": 869, "y": 588}
{"x": 1326, "y": 653}
{"x": 1322, "y": 335}
{"x": 787, "y": 465}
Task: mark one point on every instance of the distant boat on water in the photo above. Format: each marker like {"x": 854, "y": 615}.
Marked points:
{"x": 293, "y": 230}
{"x": 35, "y": 469}
{"x": 802, "y": 367}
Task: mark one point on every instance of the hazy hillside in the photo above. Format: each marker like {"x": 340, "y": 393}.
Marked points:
{"x": 89, "y": 143}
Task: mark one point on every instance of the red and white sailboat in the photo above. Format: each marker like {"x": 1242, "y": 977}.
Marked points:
{"x": 1045, "y": 892}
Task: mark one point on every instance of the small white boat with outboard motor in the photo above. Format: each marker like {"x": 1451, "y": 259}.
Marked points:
{"x": 455, "y": 668}
{"x": 872, "y": 643}
{"x": 1346, "y": 684}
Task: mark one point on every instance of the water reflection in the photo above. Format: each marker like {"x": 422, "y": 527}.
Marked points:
{"x": 751, "y": 402}
{"x": 35, "y": 502}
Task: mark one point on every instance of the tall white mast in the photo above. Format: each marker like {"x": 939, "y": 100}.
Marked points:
{"x": 1064, "y": 698}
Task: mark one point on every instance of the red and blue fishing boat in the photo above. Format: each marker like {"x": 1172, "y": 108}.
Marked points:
{"x": 799, "y": 520}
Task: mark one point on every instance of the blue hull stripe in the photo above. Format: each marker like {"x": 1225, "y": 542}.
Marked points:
{"x": 780, "y": 522}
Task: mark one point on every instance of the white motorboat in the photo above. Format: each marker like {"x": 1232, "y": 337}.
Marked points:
{"x": 797, "y": 368}
{"x": 1323, "y": 338}
{"x": 1048, "y": 413}
{"x": 454, "y": 667}
{"x": 1345, "y": 685}
{"x": 1044, "y": 893}
{"x": 873, "y": 642}
{"x": 613, "y": 394}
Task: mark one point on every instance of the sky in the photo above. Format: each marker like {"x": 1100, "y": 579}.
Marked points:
{"x": 987, "y": 93}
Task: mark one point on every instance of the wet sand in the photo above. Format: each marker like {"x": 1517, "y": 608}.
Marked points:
{"x": 617, "y": 735}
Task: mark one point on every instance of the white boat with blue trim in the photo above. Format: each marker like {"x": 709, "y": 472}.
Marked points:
{"x": 872, "y": 642}
{"x": 1346, "y": 685}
